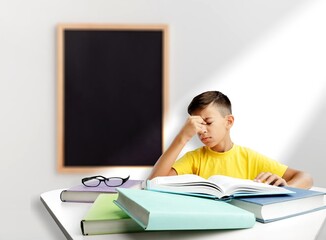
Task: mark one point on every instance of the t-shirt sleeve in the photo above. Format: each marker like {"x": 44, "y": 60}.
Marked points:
{"x": 184, "y": 165}
{"x": 266, "y": 164}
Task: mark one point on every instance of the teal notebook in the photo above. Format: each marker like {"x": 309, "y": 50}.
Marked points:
{"x": 166, "y": 211}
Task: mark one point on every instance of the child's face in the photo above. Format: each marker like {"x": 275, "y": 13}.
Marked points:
{"x": 217, "y": 126}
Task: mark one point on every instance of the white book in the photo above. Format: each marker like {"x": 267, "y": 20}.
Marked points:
{"x": 217, "y": 186}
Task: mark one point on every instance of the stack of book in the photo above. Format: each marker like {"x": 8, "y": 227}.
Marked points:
{"x": 188, "y": 202}
{"x": 268, "y": 203}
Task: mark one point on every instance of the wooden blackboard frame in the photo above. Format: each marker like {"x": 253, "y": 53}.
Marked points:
{"x": 61, "y": 93}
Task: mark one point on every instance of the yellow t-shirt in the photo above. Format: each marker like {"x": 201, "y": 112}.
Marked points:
{"x": 239, "y": 162}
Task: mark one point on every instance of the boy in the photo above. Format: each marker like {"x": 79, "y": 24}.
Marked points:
{"x": 211, "y": 119}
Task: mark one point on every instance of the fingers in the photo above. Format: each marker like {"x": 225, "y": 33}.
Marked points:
{"x": 194, "y": 125}
{"x": 271, "y": 179}
{"x": 280, "y": 182}
{"x": 198, "y": 123}
{"x": 201, "y": 128}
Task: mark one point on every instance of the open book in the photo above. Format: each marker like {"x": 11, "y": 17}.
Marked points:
{"x": 217, "y": 186}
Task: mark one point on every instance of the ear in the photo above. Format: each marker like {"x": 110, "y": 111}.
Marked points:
{"x": 229, "y": 121}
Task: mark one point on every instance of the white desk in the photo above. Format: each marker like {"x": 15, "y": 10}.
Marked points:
{"x": 68, "y": 216}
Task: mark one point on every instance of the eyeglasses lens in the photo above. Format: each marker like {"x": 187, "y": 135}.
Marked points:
{"x": 114, "y": 182}
{"x": 92, "y": 182}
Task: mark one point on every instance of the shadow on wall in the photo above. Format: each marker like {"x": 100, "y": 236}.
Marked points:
{"x": 309, "y": 152}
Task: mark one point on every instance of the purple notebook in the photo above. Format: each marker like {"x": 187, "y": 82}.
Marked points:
{"x": 81, "y": 193}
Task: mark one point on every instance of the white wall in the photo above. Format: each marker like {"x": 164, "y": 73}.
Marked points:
{"x": 268, "y": 56}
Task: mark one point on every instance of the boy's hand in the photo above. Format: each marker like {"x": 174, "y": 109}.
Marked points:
{"x": 271, "y": 179}
{"x": 194, "y": 125}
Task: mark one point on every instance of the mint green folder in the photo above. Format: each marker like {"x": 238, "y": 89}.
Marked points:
{"x": 165, "y": 211}
{"x": 104, "y": 217}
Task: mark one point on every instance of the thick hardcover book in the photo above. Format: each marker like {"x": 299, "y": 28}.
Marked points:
{"x": 165, "y": 211}
{"x": 217, "y": 186}
{"x": 81, "y": 193}
{"x": 104, "y": 217}
{"x": 272, "y": 208}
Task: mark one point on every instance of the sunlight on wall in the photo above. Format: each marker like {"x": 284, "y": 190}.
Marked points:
{"x": 275, "y": 85}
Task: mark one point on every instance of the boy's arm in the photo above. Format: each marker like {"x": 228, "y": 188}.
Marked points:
{"x": 296, "y": 178}
{"x": 291, "y": 177}
{"x": 163, "y": 166}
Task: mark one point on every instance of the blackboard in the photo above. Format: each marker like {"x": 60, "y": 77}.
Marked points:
{"x": 111, "y": 95}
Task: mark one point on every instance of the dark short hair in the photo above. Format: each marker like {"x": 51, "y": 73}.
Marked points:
{"x": 204, "y": 99}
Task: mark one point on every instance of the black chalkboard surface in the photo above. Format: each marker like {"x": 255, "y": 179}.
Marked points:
{"x": 111, "y": 95}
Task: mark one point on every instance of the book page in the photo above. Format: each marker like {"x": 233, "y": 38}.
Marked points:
{"x": 187, "y": 183}
{"x": 186, "y": 178}
{"x": 218, "y": 185}
{"x": 232, "y": 185}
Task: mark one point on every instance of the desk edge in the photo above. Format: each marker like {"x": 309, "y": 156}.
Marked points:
{"x": 56, "y": 219}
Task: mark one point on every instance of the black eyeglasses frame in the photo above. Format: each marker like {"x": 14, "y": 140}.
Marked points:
{"x": 101, "y": 178}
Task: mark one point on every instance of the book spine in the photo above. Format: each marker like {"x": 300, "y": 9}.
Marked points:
{"x": 61, "y": 196}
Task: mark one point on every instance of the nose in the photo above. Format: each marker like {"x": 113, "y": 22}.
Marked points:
{"x": 203, "y": 131}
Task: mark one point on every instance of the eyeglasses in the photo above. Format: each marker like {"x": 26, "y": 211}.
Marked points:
{"x": 95, "y": 181}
